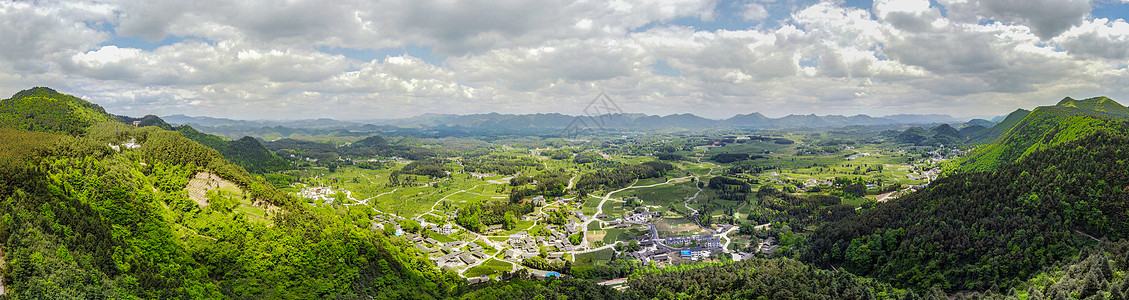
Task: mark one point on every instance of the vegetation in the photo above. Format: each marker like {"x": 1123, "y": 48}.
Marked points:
{"x": 980, "y": 229}
{"x": 93, "y": 207}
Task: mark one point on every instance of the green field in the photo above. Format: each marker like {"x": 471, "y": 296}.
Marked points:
{"x": 489, "y": 268}
{"x": 595, "y": 257}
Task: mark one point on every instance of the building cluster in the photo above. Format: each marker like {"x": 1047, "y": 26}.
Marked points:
{"x": 445, "y": 229}
{"x": 652, "y": 252}
{"x": 643, "y": 216}
{"x": 131, "y": 144}
{"x": 857, "y": 155}
{"x": 456, "y": 254}
{"x": 317, "y": 193}
{"x": 703, "y": 240}
{"x": 522, "y": 245}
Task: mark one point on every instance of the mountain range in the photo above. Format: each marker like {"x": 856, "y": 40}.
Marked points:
{"x": 560, "y": 121}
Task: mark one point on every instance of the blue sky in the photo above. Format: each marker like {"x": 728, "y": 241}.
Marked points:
{"x": 391, "y": 58}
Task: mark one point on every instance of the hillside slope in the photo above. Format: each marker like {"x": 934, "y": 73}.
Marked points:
{"x": 246, "y": 152}
{"x": 1098, "y": 104}
{"x": 43, "y": 109}
{"x": 80, "y": 220}
{"x": 1044, "y": 127}
{"x": 994, "y": 132}
{"x": 974, "y": 230}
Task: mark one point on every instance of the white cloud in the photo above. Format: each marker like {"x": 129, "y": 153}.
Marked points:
{"x": 1046, "y": 18}
{"x": 754, "y": 12}
{"x": 518, "y": 56}
{"x": 1101, "y": 38}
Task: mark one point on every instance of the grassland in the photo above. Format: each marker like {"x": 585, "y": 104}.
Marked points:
{"x": 490, "y": 267}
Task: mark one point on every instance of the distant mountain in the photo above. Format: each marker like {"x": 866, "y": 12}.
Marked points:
{"x": 217, "y": 122}
{"x": 147, "y": 120}
{"x": 749, "y": 120}
{"x": 44, "y": 109}
{"x": 246, "y": 152}
{"x": 981, "y": 122}
{"x": 922, "y": 119}
{"x": 532, "y": 123}
{"x": 984, "y": 136}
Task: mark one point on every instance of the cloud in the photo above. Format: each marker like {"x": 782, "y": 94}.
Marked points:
{"x": 754, "y": 12}
{"x": 31, "y": 33}
{"x": 1046, "y": 18}
{"x": 261, "y": 59}
{"x": 1101, "y": 38}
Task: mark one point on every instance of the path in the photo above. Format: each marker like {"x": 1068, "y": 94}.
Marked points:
{"x": 365, "y": 201}
{"x": 698, "y": 184}
{"x": 725, "y": 235}
{"x": 445, "y": 198}
{"x": 1087, "y": 235}
{"x": 600, "y": 210}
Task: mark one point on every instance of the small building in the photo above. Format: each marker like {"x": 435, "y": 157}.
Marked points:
{"x": 477, "y": 280}
{"x": 686, "y": 253}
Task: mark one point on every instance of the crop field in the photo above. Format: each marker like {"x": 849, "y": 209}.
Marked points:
{"x": 595, "y": 257}
{"x": 489, "y": 268}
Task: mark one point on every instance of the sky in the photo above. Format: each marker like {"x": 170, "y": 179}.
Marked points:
{"x": 377, "y": 59}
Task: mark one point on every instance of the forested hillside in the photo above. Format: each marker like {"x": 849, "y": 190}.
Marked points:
{"x": 972, "y": 231}
{"x": 991, "y": 133}
{"x": 80, "y": 220}
{"x": 1042, "y": 128}
{"x": 246, "y": 152}
{"x": 44, "y": 109}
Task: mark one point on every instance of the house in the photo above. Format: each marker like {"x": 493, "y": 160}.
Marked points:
{"x": 555, "y": 256}
{"x": 480, "y": 255}
{"x": 512, "y": 254}
{"x": 467, "y": 258}
{"x": 477, "y": 280}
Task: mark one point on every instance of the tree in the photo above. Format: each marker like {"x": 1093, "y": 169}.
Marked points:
{"x": 510, "y": 221}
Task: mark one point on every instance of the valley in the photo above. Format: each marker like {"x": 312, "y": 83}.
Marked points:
{"x": 889, "y": 211}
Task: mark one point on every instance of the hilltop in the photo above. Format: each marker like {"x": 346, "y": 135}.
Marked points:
{"x": 1097, "y": 104}
{"x": 1044, "y": 127}
{"x": 1040, "y": 194}
{"x": 43, "y": 109}
{"x": 85, "y": 220}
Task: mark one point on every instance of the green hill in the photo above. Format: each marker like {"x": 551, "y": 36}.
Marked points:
{"x": 1044, "y": 127}
{"x": 1099, "y": 104}
{"x": 989, "y": 135}
{"x": 247, "y": 152}
{"x": 1029, "y": 200}
{"x": 81, "y": 221}
{"x": 43, "y": 109}
{"x": 997, "y": 228}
